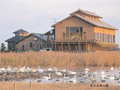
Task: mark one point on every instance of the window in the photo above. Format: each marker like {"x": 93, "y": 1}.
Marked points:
{"x": 23, "y": 47}
{"x": 31, "y": 44}
{"x": 111, "y": 38}
{"x": 74, "y": 30}
{"x": 67, "y": 31}
{"x": 81, "y": 29}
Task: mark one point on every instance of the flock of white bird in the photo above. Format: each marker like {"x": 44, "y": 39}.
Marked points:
{"x": 49, "y": 74}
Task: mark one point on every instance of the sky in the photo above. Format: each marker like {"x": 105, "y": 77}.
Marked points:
{"x": 37, "y": 16}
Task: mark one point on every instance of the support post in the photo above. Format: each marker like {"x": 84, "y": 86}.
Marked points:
{"x": 14, "y": 86}
{"x": 30, "y": 85}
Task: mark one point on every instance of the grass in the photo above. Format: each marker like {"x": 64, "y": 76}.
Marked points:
{"x": 42, "y": 86}
{"x": 60, "y": 59}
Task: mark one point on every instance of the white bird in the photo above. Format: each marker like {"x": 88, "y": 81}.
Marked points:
{"x": 119, "y": 68}
{"x": 57, "y": 73}
{"x": 49, "y": 69}
{"x": 74, "y": 80}
{"x": 28, "y": 69}
{"x": 64, "y": 70}
{"x": 66, "y": 77}
{"x": 95, "y": 73}
{"x": 112, "y": 68}
{"x": 39, "y": 70}
{"x": 102, "y": 72}
{"x": 47, "y": 77}
{"x": 3, "y": 70}
{"x": 93, "y": 79}
{"x": 86, "y": 70}
{"x": 72, "y": 73}
{"x": 111, "y": 78}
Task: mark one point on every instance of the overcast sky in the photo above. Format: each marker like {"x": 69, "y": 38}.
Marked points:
{"x": 38, "y": 15}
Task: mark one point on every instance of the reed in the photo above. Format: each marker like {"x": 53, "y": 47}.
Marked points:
{"x": 60, "y": 59}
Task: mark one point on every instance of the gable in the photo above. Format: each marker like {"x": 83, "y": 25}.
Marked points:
{"x": 72, "y": 22}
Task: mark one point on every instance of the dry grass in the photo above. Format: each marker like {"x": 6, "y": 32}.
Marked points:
{"x": 38, "y": 86}
{"x": 60, "y": 59}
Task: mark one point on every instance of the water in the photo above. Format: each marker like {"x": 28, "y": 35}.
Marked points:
{"x": 81, "y": 77}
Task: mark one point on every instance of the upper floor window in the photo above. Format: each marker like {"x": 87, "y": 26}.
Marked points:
{"x": 74, "y": 30}
{"x": 67, "y": 31}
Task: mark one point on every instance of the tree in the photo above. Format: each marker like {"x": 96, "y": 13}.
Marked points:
{"x": 3, "y": 47}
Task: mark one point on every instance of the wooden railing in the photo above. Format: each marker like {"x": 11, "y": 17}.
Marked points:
{"x": 98, "y": 42}
{"x": 106, "y": 44}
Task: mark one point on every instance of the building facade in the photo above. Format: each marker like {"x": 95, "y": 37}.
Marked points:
{"x": 83, "y": 31}
{"x": 33, "y": 42}
{"x": 19, "y": 34}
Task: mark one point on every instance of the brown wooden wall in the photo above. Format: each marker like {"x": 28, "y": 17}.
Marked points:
{"x": 60, "y": 28}
{"x": 26, "y": 43}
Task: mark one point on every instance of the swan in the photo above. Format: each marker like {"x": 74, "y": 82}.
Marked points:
{"x": 95, "y": 73}
{"x": 93, "y": 79}
{"x": 57, "y": 73}
{"x": 33, "y": 70}
{"x": 9, "y": 69}
{"x": 102, "y": 72}
{"x": 3, "y": 70}
{"x": 22, "y": 69}
{"x": 74, "y": 80}
{"x": 119, "y": 68}
{"x": 49, "y": 69}
{"x": 39, "y": 70}
{"x": 112, "y": 68}
{"x": 86, "y": 70}
{"x": 64, "y": 70}
{"x": 72, "y": 73}
{"x": 111, "y": 78}
{"x": 47, "y": 77}
{"x": 66, "y": 77}
{"x": 102, "y": 78}
{"x": 28, "y": 69}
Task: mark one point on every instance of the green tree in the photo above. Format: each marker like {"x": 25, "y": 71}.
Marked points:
{"x": 2, "y": 47}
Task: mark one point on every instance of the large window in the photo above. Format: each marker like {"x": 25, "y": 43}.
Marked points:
{"x": 74, "y": 30}
{"x": 105, "y": 37}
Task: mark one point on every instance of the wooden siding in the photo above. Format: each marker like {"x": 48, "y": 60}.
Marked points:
{"x": 60, "y": 28}
{"x": 104, "y": 30}
{"x": 35, "y": 44}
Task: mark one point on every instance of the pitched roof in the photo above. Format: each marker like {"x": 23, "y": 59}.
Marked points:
{"x": 20, "y": 31}
{"x": 14, "y": 39}
{"x": 42, "y": 36}
{"x": 50, "y": 32}
{"x": 95, "y": 23}
{"x": 86, "y": 12}
{"x": 38, "y": 35}
{"x": 92, "y": 22}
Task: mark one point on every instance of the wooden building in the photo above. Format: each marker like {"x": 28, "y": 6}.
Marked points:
{"x": 23, "y": 41}
{"x": 83, "y": 31}
{"x": 33, "y": 42}
{"x": 19, "y": 34}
